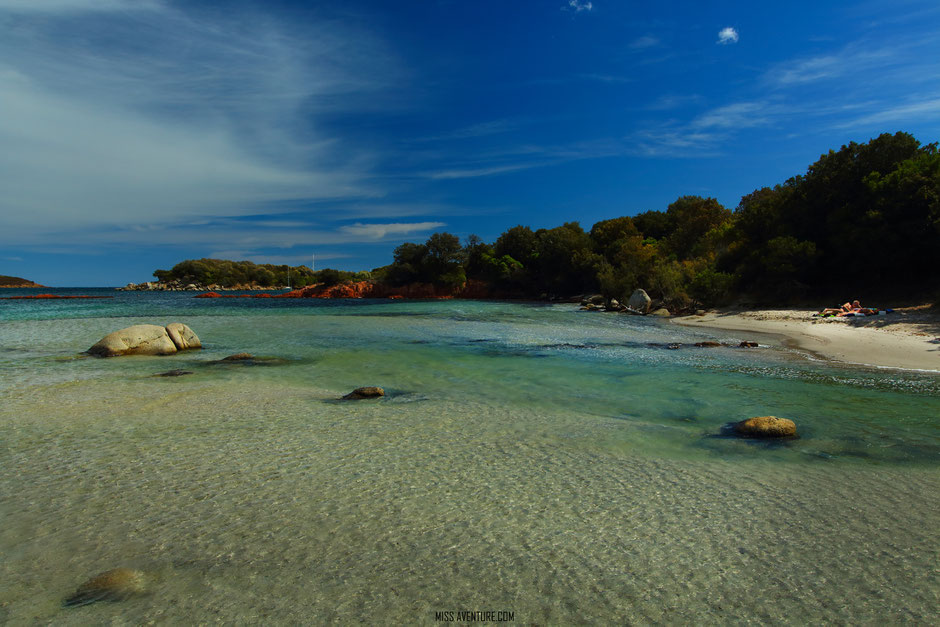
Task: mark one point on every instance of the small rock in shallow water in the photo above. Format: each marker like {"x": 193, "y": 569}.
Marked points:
{"x": 366, "y": 392}
{"x": 746, "y": 344}
{"x": 766, "y": 427}
{"x": 708, "y": 344}
{"x": 174, "y": 373}
{"x": 114, "y": 585}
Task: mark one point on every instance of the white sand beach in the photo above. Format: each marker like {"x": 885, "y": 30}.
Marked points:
{"x": 908, "y": 338}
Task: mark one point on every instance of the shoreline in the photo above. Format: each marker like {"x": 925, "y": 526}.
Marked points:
{"x": 908, "y": 339}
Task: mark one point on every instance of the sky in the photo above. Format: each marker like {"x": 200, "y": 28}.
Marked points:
{"x": 135, "y": 134}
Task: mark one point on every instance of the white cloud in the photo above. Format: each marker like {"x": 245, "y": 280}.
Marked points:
{"x": 578, "y": 6}
{"x": 62, "y": 6}
{"x": 727, "y": 35}
{"x": 112, "y": 119}
{"x": 380, "y": 231}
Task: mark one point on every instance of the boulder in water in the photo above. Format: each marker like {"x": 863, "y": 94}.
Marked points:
{"x": 365, "y": 392}
{"x": 766, "y": 427}
{"x": 140, "y": 339}
{"x": 182, "y": 336}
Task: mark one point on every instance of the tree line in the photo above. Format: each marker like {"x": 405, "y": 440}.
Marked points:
{"x": 864, "y": 217}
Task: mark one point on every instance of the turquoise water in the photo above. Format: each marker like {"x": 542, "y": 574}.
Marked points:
{"x": 530, "y": 457}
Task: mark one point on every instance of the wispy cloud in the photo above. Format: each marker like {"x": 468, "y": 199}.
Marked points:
{"x": 150, "y": 118}
{"x": 464, "y": 173}
{"x": 727, "y": 35}
{"x": 641, "y": 43}
{"x": 920, "y": 110}
{"x": 380, "y": 231}
{"x": 735, "y": 115}
{"x": 64, "y": 6}
{"x": 854, "y": 59}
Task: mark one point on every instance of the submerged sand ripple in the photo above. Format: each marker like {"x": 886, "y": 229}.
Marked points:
{"x": 264, "y": 503}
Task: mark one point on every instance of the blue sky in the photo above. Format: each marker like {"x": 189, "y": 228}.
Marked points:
{"x": 137, "y": 133}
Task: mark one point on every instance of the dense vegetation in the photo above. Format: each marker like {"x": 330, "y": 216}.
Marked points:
{"x": 866, "y": 217}
{"x": 15, "y": 281}
{"x": 230, "y": 273}
{"x": 863, "y": 218}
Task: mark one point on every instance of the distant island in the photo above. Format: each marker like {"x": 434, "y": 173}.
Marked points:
{"x": 862, "y": 222}
{"x": 15, "y": 281}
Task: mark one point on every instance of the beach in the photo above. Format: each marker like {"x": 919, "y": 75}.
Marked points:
{"x": 908, "y": 338}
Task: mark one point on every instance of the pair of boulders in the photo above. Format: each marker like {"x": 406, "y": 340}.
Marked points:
{"x": 147, "y": 339}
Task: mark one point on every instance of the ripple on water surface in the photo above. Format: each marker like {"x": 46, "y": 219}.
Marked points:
{"x": 560, "y": 468}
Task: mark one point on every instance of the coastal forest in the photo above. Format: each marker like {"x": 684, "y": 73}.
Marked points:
{"x": 864, "y": 219}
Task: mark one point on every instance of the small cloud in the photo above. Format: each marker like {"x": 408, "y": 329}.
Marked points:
{"x": 646, "y": 41}
{"x": 578, "y": 6}
{"x": 379, "y": 231}
{"x": 727, "y": 35}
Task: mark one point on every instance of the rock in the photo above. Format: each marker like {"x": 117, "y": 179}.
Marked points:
{"x": 114, "y": 585}
{"x": 662, "y": 312}
{"x": 640, "y": 301}
{"x": 594, "y": 299}
{"x": 699, "y": 312}
{"x": 708, "y": 344}
{"x": 182, "y": 336}
{"x": 674, "y": 346}
{"x": 766, "y": 427}
{"x": 746, "y": 344}
{"x": 366, "y": 392}
{"x": 173, "y": 373}
{"x": 614, "y": 303}
{"x": 239, "y": 357}
{"x": 140, "y": 339}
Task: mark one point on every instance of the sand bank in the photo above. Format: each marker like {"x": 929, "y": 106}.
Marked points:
{"x": 909, "y": 338}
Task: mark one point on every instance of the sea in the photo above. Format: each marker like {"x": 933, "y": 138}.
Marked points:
{"x": 530, "y": 463}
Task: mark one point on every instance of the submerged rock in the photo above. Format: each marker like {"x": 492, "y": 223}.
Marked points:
{"x": 365, "y": 392}
{"x": 747, "y": 344}
{"x": 114, "y": 585}
{"x": 708, "y": 344}
{"x": 239, "y": 357}
{"x": 173, "y": 373}
{"x": 766, "y": 427}
{"x": 662, "y": 312}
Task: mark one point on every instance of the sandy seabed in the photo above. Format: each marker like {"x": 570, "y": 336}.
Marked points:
{"x": 266, "y": 504}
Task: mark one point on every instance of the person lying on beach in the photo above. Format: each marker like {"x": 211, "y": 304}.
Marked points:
{"x": 854, "y": 308}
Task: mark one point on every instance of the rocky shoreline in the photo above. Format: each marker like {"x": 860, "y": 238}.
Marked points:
{"x": 178, "y": 286}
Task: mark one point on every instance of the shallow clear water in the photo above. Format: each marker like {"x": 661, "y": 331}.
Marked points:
{"x": 563, "y": 465}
